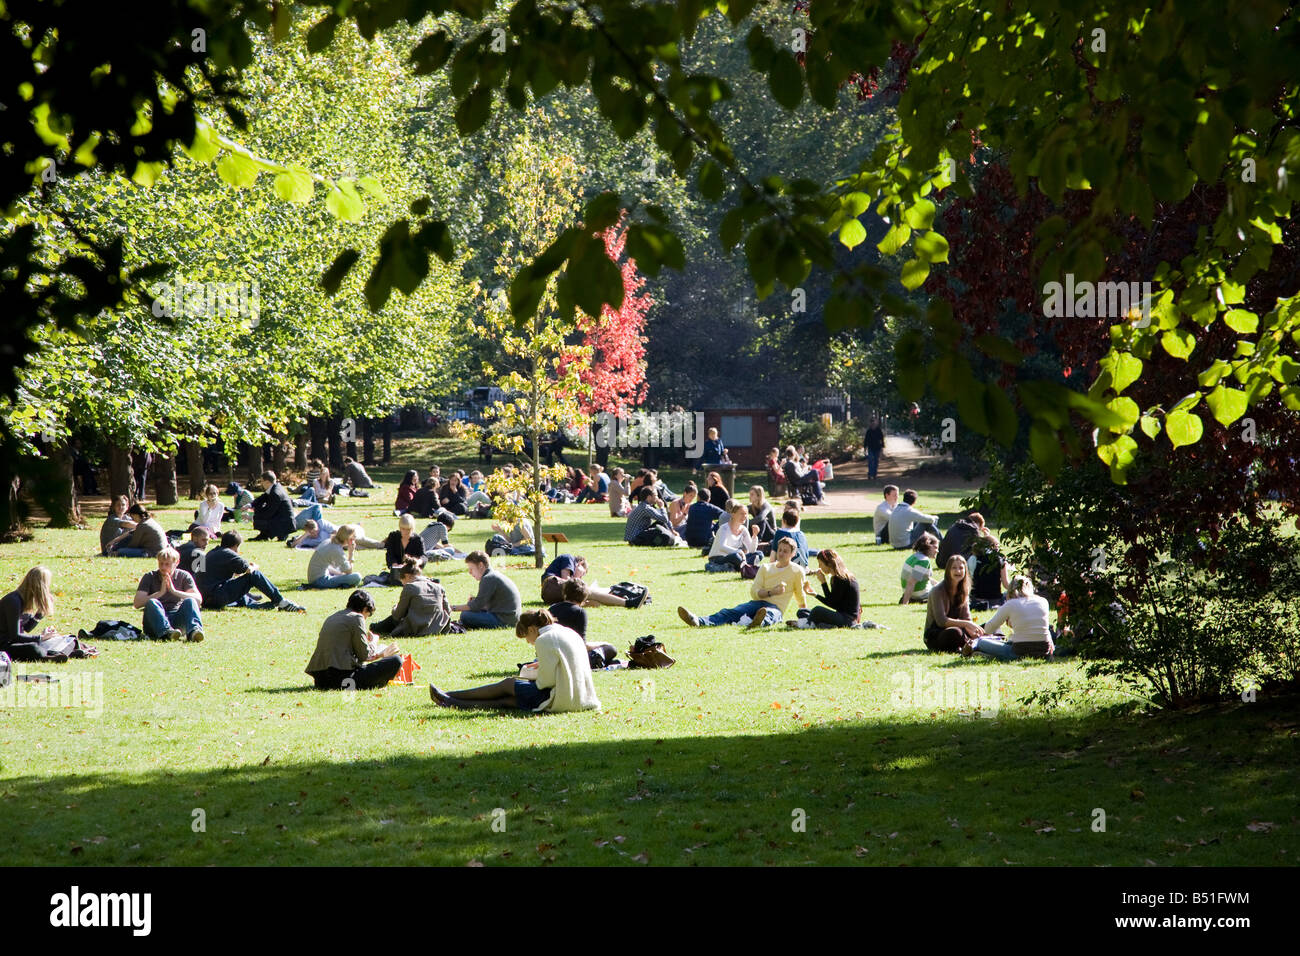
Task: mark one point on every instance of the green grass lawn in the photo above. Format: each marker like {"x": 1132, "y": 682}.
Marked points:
{"x": 777, "y": 747}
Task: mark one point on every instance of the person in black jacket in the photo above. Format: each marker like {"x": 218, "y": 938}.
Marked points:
{"x": 840, "y": 604}
{"x": 453, "y": 495}
{"x": 425, "y": 501}
{"x": 960, "y": 538}
{"x": 272, "y": 510}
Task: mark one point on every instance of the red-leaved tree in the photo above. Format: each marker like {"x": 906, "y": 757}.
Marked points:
{"x": 615, "y": 373}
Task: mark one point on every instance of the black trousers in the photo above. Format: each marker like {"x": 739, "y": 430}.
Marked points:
{"x": 820, "y": 614}
{"x": 367, "y": 676}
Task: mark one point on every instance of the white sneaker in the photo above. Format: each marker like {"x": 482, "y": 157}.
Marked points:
{"x": 745, "y": 621}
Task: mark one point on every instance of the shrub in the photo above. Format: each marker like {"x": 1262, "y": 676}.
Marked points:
{"x": 840, "y": 442}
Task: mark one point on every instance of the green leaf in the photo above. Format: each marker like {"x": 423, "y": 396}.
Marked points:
{"x": 1127, "y": 409}
{"x": 920, "y": 215}
{"x": 294, "y": 185}
{"x": 999, "y": 348}
{"x": 914, "y": 273}
{"x": 932, "y": 247}
{"x": 1183, "y": 428}
{"x": 474, "y": 110}
{"x": 1046, "y": 449}
{"x": 894, "y": 239}
{"x": 372, "y": 186}
{"x": 1241, "y": 320}
{"x": 711, "y": 183}
{"x": 1178, "y": 343}
{"x": 1119, "y": 455}
{"x": 1001, "y": 416}
{"x": 320, "y": 35}
{"x": 786, "y": 79}
{"x": 238, "y": 169}
{"x": 1226, "y": 404}
{"x": 205, "y": 147}
{"x": 1150, "y": 426}
{"x": 344, "y": 203}
{"x": 1126, "y": 370}
{"x": 852, "y": 233}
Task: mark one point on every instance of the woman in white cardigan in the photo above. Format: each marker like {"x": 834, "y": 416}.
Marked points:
{"x": 562, "y": 679}
{"x": 1027, "y": 615}
{"x": 735, "y": 544}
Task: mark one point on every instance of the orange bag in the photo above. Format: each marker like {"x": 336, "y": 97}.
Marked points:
{"x": 407, "y": 674}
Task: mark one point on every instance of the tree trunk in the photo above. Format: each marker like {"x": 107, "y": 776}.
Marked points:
{"x": 367, "y": 441}
{"x": 164, "y": 478}
{"x": 63, "y": 456}
{"x": 120, "y": 479}
{"x": 316, "y": 427}
{"x": 14, "y": 495}
{"x": 334, "y": 426}
{"x": 280, "y": 457}
{"x": 194, "y": 458}
{"x": 250, "y": 463}
{"x": 537, "y": 473}
{"x": 300, "y": 451}
{"x": 388, "y": 439}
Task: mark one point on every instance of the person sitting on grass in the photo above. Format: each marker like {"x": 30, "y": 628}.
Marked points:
{"x": 841, "y": 602}
{"x": 22, "y": 610}
{"x": 437, "y": 546}
{"x": 677, "y": 510}
{"x": 917, "y": 570}
{"x": 347, "y": 657}
{"x": 906, "y": 523}
{"x": 453, "y": 495}
{"x": 568, "y": 610}
{"x": 790, "y": 530}
{"x": 355, "y": 474}
{"x": 647, "y": 525}
{"x": 519, "y": 535}
{"x": 273, "y": 515}
{"x": 424, "y": 503}
{"x": 117, "y": 526}
{"x": 170, "y": 600}
{"x": 880, "y": 519}
{"x": 226, "y": 578}
{"x": 193, "y": 548}
{"x": 735, "y": 544}
{"x": 330, "y": 565}
{"x": 497, "y": 602}
{"x": 948, "y": 622}
{"x": 145, "y": 540}
{"x": 478, "y": 498}
{"x": 761, "y": 514}
{"x": 398, "y": 546}
{"x": 406, "y": 491}
{"x": 211, "y": 512}
{"x": 700, "y": 517}
{"x": 314, "y": 534}
{"x": 1026, "y": 613}
{"x": 560, "y": 681}
{"x": 568, "y": 567}
{"x": 322, "y": 487}
{"x": 422, "y": 608}
{"x": 716, "y": 490}
{"x": 778, "y": 582}
{"x": 961, "y": 537}
{"x": 618, "y": 492}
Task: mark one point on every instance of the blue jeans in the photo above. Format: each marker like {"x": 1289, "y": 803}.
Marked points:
{"x": 873, "y": 462}
{"x": 769, "y": 613}
{"x": 480, "y": 620}
{"x": 993, "y": 647}
{"x": 337, "y": 581}
{"x": 920, "y": 529}
{"x": 158, "y": 620}
{"x": 311, "y": 512}
{"x": 130, "y": 553}
{"x": 235, "y": 591}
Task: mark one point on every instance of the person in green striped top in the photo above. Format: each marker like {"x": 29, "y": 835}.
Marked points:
{"x": 917, "y": 568}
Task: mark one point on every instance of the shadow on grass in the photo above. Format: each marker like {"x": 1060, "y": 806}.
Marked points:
{"x": 903, "y": 789}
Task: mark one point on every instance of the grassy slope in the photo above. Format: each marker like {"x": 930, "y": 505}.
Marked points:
{"x": 707, "y": 763}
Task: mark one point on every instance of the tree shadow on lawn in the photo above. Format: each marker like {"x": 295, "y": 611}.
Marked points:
{"x": 898, "y": 790}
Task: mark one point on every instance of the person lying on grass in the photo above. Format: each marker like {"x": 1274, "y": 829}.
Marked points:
{"x": 314, "y": 534}
{"x": 567, "y": 567}
{"x": 347, "y": 655}
{"x": 560, "y": 681}
{"x": 778, "y": 582}
{"x": 170, "y": 600}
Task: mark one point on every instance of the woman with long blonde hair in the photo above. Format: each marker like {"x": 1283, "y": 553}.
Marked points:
{"x": 20, "y": 612}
